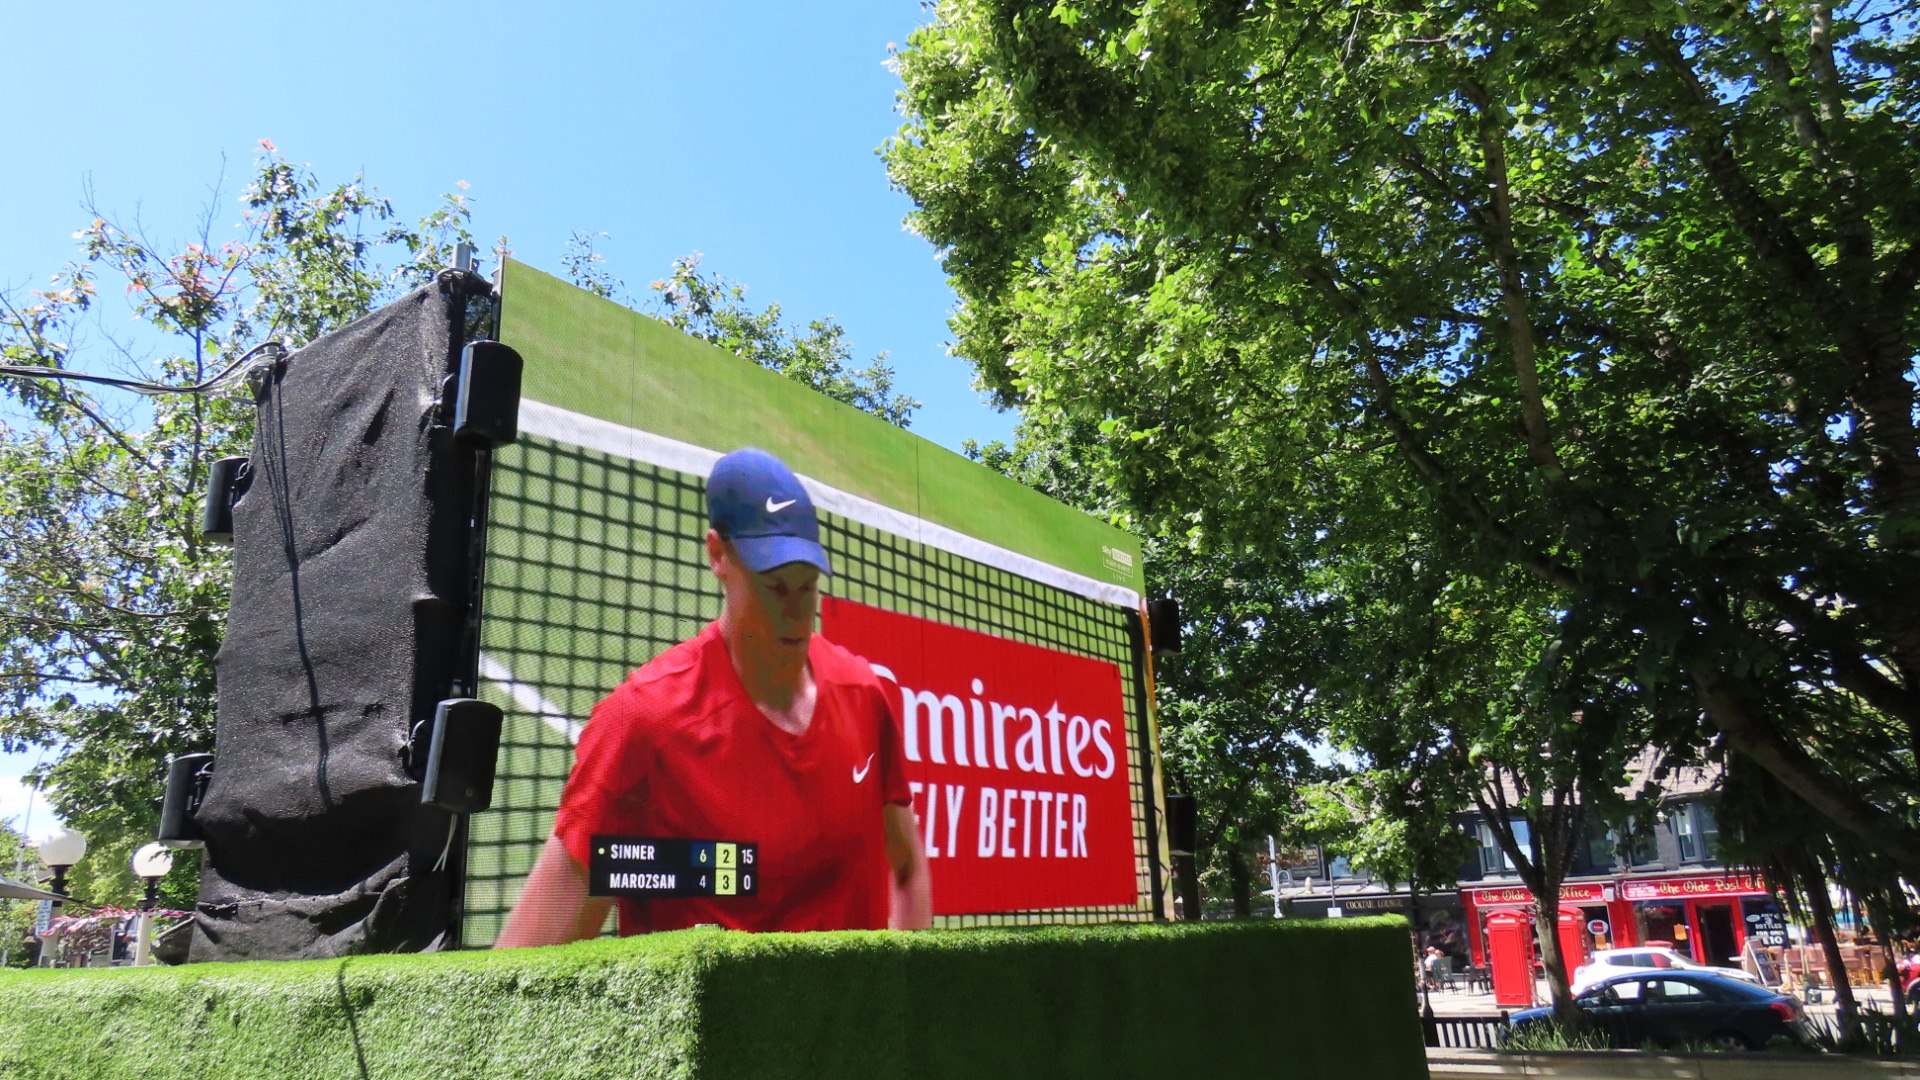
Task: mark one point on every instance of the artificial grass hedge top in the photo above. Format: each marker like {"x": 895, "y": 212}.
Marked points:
{"x": 1319, "y": 998}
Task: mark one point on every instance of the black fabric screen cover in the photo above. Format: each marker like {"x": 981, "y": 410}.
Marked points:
{"x": 348, "y": 598}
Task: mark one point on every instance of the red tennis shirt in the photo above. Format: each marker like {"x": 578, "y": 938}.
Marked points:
{"x": 680, "y": 750}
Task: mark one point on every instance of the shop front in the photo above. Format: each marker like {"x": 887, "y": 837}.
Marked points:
{"x": 1508, "y": 940}
{"x": 1705, "y": 917}
{"x": 1591, "y": 901}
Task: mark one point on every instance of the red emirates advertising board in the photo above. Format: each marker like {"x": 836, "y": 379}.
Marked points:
{"x": 1017, "y": 759}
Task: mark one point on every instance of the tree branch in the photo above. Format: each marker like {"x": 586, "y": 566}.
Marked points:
{"x": 1513, "y": 292}
{"x": 1789, "y": 763}
{"x": 1772, "y": 238}
{"x": 1855, "y": 249}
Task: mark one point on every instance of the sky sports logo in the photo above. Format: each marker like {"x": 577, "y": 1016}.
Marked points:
{"x": 1117, "y": 562}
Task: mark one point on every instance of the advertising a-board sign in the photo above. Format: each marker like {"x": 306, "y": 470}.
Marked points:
{"x": 1767, "y": 929}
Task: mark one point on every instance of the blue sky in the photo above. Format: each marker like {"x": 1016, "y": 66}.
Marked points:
{"x": 745, "y": 131}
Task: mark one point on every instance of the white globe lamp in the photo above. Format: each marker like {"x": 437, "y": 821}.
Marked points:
{"x": 152, "y": 861}
{"x": 150, "y": 864}
{"x": 61, "y": 848}
{"x": 58, "y": 849}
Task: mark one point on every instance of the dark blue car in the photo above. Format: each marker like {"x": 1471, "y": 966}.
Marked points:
{"x": 1671, "y": 1007}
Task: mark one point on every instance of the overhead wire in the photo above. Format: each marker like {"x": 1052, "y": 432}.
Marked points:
{"x": 140, "y": 386}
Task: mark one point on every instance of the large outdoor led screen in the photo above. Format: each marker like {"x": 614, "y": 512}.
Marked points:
{"x": 986, "y": 641}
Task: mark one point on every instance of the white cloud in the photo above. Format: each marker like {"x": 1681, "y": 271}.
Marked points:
{"x": 17, "y": 799}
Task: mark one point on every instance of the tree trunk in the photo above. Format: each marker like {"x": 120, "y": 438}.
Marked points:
{"x": 1891, "y": 972}
{"x": 1543, "y": 867}
{"x": 1241, "y": 875}
{"x": 1883, "y": 917}
{"x": 1546, "y": 925}
{"x": 1187, "y": 878}
{"x": 1820, "y": 906}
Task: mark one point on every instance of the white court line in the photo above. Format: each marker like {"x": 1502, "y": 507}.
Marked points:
{"x": 530, "y": 699}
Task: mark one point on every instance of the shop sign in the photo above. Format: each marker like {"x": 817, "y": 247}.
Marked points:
{"x": 1681, "y": 888}
{"x": 1301, "y": 863}
{"x": 1576, "y": 892}
{"x": 1767, "y": 929}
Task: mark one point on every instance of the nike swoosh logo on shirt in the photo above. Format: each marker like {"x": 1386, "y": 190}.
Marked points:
{"x": 860, "y": 773}
{"x": 776, "y": 507}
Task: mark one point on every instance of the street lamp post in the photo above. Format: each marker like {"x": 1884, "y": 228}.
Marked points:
{"x": 1273, "y": 874}
{"x": 58, "y": 849}
{"x": 150, "y": 864}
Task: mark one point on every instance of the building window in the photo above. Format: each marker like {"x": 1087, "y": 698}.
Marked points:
{"x": 1635, "y": 843}
{"x": 1603, "y": 849}
{"x": 1696, "y": 831}
{"x": 1493, "y": 860}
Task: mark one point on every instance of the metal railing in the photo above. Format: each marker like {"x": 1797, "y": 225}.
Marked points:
{"x": 1465, "y": 1032}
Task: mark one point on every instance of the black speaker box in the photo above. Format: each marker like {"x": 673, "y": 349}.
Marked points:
{"x": 187, "y": 778}
{"x": 226, "y": 482}
{"x": 486, "y": 410}
{"x": 1183, "y": 824}
{"x": 460, "y": 760}
{"x": 1163, "y": 625}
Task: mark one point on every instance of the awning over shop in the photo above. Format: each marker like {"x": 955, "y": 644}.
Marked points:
{"x": 14, "y": 890}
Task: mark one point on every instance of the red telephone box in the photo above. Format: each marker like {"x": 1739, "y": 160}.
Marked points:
{"x": 1510, "y": 956}
{"x": 1572, "y": 935}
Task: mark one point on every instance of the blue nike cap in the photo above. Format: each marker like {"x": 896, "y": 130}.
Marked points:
{"x": 757, "y": 503}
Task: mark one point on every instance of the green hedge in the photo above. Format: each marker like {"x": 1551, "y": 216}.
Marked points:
{"x": 1303, "y": 999}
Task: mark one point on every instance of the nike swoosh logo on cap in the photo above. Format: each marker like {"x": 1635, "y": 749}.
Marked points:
{"x": 776, "y": 507}
{"x": 860, "y": 773}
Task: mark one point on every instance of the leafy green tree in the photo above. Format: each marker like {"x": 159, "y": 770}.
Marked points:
{"x": 586, "y": 266}
{"x": 1237, "y": 710}
{"x": 1453, "y": 693}
{"x": 1765, "y": 826}
{"x": 17, "y": 947}
{"x": 1616, "y": 297}
{"x": 715, "y": 310}
{"x": 111, "y": 604}
{"x": 1397, "y": 824}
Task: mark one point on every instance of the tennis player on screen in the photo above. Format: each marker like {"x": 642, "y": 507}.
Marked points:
{"x": 757, "y": 730}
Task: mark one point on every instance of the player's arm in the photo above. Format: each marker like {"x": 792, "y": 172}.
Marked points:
{"x": 554, "y": 908}
{"x": 912, "y": 889}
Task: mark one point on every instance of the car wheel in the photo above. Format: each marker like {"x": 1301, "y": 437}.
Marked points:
{"x": 1729, "y": 1040}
